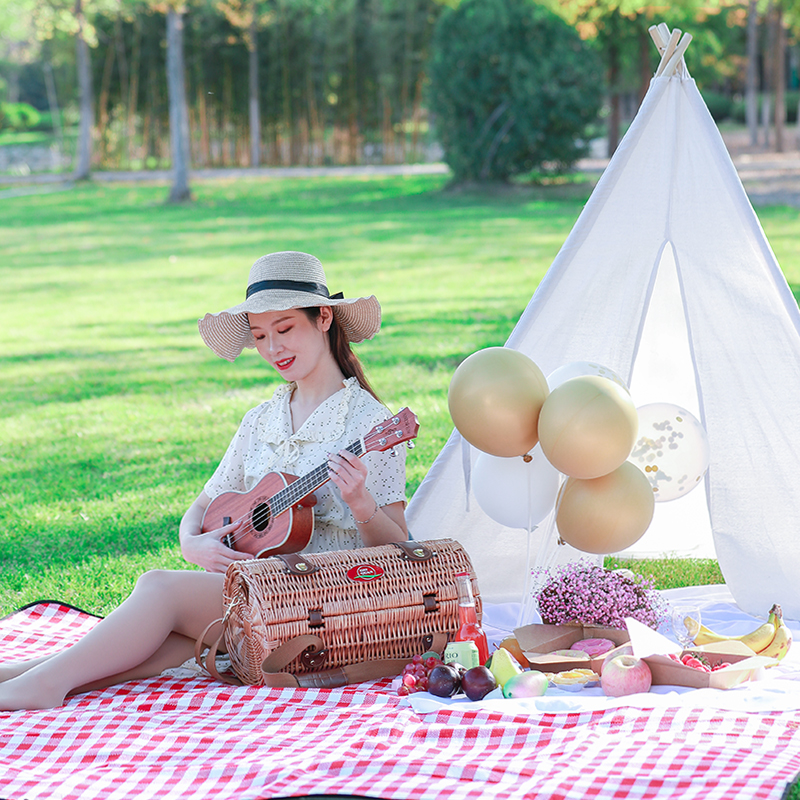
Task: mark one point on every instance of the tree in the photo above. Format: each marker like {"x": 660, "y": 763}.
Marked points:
{"x": 178, "y": 110}
{"x": 513, "y": 88}
{"x": 84, "y": 161}
{"x": 52, "y": 18}
{"x": 249, "y": 16}
{"x": 751, "y": 85}
{"x": 18, "y": 44}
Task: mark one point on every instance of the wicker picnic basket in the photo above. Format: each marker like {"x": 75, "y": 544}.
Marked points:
{"x": 315, "y": 614}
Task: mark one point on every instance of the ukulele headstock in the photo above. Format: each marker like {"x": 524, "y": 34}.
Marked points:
{"x": 400, "y": 427}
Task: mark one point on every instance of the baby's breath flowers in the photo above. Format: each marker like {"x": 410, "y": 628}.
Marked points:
{"x": 592, "y": 595}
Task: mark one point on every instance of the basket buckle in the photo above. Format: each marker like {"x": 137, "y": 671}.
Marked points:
{"x": 414, "y": 551}
{"x": 314, "y": 659}
{"x": 297, "y": 564}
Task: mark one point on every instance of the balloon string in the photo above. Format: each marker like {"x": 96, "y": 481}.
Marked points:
{"x": 523, "y": 608}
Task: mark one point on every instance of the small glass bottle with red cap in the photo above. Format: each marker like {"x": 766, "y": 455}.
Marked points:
{"x": 469, "y": 628}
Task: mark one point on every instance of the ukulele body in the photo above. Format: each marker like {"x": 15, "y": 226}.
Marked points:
{"x": 262, "y": 534}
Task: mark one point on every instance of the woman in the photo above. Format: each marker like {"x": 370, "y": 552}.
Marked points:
{"x": 305, "y": 334}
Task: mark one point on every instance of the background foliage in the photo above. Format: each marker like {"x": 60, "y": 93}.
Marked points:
{"x": 340, "y": 81}
{"x": 513, "y": 87}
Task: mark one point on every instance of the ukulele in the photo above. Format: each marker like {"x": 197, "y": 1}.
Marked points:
{"x": 277, "y": 514}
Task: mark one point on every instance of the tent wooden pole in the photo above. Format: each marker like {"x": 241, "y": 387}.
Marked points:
{"x": 656, "y": 37}
{"x": 668, "y": 51}
{"x": 670, "y": 43}
{"x": 677, "y": 57}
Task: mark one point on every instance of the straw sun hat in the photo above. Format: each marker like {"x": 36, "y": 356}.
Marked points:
{"x": 278, "y": 282}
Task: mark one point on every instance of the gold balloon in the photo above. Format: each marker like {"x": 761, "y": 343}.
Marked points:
{"x": 495, "y": 397}
{"x": 588, "y": 426}
{"x": 606, "y": 514}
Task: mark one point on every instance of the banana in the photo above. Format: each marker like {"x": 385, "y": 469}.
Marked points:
{"x": 782, "y": 641}
{"x": 756, "y": 640}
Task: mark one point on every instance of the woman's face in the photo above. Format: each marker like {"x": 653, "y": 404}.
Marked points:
{"x": 291, "y": 342}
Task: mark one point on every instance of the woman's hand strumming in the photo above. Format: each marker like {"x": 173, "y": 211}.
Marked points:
{"x": 206, "y": 549}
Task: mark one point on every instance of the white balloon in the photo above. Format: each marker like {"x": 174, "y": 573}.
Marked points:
{"x": 577, "y": 369}
{"x": 671, "y": 449}
{"x": 514, "y": 492}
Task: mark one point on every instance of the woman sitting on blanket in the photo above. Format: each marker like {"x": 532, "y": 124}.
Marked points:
{"x": 326, "y": 404}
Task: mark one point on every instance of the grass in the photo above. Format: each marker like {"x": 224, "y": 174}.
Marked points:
{"x": 672, "y": 573}
{"x": 114, "y": 413}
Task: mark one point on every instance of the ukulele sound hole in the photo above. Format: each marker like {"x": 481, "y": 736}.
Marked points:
{"x": 261, "y": 517}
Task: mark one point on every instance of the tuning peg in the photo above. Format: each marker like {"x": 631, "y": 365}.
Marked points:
{"x": 393, "y": 453}
{"x": 411, "y": 445}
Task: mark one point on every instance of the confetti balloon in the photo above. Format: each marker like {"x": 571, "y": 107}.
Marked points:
{"x": 495, "y": 397}
{"x": 671, "y": 450}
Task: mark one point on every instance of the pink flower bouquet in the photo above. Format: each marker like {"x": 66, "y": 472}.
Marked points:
{"x": 582, "y": 592}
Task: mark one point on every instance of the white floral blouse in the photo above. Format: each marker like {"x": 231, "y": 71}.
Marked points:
{"x": 265, "y": 443}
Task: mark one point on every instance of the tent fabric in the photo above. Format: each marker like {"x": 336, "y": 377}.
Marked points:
{"x": 669, "y": 230}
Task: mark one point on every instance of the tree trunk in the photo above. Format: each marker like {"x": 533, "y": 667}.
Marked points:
{"x": 84, "y": 163}
{"x": 255, "y": 112}
{"x": 55, "y": 112}
{"x": 645, "y": 64}
{"x": 178, "y": 115}
{"x": 102, "y": 105}
{"x": 13, "y": 70}
{"x": 614, "y": 114}
{"x": 751, "y": 85}
{"x": 780, "y": 80}
{"x": 133, "y": 90}
{"x": 317, "y": 132}
{"x": 124, "y": 85}
{"x": 766, "y": 98}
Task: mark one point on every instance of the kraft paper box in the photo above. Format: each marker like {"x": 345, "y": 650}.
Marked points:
{"x": 654, "y": 649}
{"x": 539, "y": 641}
{"x": 745, "y": 666}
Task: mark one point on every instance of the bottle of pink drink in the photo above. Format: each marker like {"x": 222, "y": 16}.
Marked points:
{"x": 469, "y": 630}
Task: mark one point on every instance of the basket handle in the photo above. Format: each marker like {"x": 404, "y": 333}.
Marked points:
{"x": 210, "y": 663}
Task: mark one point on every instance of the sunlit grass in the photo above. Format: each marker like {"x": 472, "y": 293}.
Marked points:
{"x": 113, "y": 411}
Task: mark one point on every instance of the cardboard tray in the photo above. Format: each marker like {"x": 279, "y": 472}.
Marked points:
{"x": 539, "y": 641}
{"x": 745, "y": 666}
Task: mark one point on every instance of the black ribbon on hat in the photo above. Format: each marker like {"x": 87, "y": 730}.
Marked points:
{"x": 297, "y": 286}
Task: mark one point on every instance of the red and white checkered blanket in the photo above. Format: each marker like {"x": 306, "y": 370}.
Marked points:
{"x": 192, "y": 738}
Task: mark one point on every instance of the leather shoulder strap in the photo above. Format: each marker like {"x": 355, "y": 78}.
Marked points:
{"x": 331, "y": 678}
{"x": 210, "y": 663}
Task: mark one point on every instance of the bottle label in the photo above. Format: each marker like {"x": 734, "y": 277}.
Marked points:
{"x": 465, "y": 653}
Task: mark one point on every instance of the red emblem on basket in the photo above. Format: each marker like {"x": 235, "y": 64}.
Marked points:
{"x": 363, "y": 573}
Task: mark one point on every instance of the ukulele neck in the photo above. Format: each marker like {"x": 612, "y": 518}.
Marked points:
{"x": 304, "y": 486}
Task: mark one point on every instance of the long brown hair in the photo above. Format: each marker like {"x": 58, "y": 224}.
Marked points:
{"x": 342, "y": 352}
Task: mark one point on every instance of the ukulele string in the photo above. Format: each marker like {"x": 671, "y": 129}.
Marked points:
{"x": 288, "y": 496}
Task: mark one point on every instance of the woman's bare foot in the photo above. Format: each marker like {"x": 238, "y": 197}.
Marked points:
{"x": 15, "y": 668}
{"x": 28, "y": 691}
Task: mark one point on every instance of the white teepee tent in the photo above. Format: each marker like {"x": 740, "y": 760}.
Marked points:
{"x": 667, "y": 278}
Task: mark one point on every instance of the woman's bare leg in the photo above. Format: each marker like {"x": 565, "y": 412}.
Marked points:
{"x": 135, "y": 641}
{"x": 14, "y": 668}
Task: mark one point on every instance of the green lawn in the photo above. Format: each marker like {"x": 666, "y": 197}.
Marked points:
{"x": 114, "y": 412}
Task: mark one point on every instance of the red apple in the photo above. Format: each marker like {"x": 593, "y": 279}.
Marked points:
{"x": 624, "y": 675}
{"x": 622, "y": 650}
